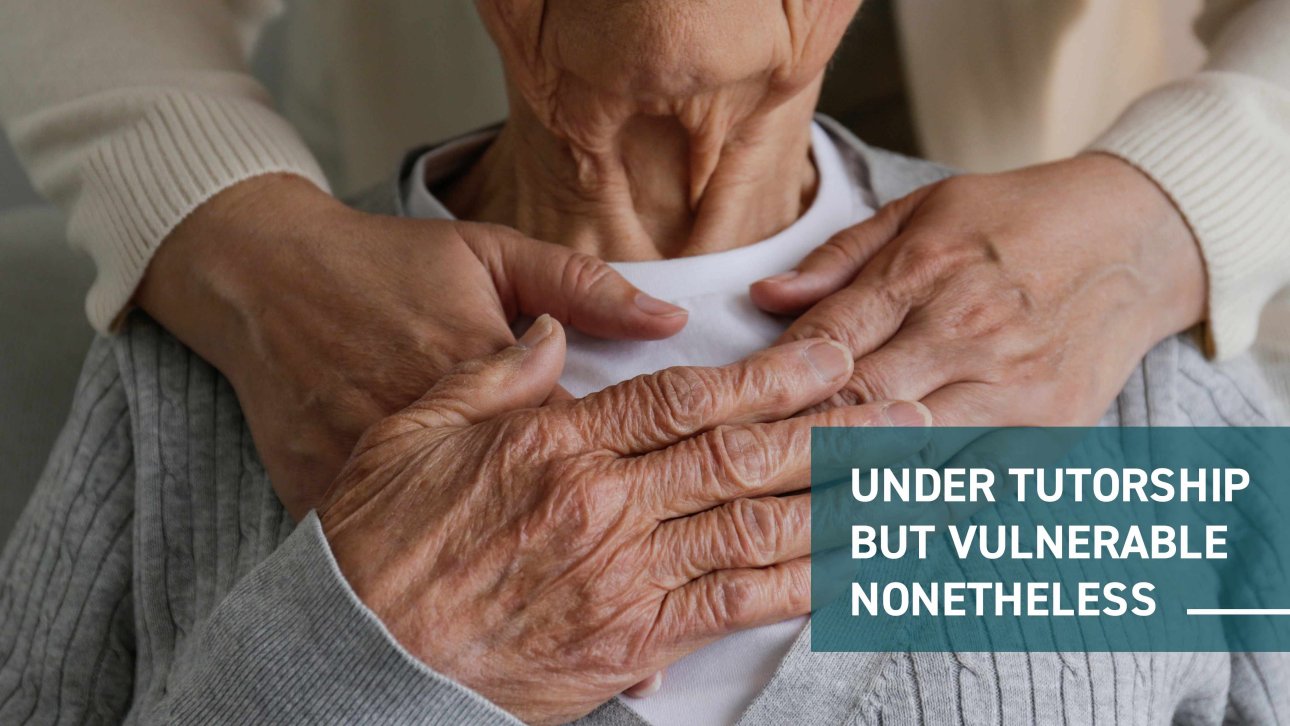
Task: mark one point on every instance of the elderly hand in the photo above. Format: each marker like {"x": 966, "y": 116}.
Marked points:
{"x": 548, "y": 558}
{"x": 1022, "y": 298}
{"x": 326, "y": 319}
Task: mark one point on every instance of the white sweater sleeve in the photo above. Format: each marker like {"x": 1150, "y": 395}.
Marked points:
{"x": 1218, "y": 143}
{"x": 130, "y": 113}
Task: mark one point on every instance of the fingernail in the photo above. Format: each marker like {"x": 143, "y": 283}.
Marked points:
{"x": 782, "y": 277}
{"x": 653, "y": 306}
{"x": 537, "y": 332}
{"x": 904, "y": 413}
{"x": 830, "y": 360}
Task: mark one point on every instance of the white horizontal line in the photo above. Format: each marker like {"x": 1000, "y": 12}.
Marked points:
{"x": 1238, "y": 611}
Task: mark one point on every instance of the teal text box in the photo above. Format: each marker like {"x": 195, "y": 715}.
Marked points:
{"x": 1017, "y": 600}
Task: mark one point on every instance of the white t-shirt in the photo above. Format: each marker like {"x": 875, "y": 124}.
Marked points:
{"x": 713, "y": 685}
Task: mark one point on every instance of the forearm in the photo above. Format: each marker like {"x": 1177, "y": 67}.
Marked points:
{"x": 131, "y": 113}
{"x": 1218, "y": 143}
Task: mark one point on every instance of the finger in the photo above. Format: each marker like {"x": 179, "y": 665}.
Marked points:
{"x": 834, "y": 264}
{"x": 727, "y": 601}
{"x": 534, "y": 277}
{"x": 734, "y": 462}
{"x": 836, "y": 510}
{"x": 844, "y": 458}
{"x": 861, "y": 317}
{"x": 520, "y": 376}
{"x": 647, "y": 687}
{"x": 743, "y": 533}
{"x": 907, "y": 367}
{"x": 651, "y": 412}
{"x": 968, "y": 404}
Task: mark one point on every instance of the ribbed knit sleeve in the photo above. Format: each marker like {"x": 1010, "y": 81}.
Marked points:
{"x": 142, "y": 585}
{"x": 1219, "y": 144}
{"x": 129, "y": 114}
{"x": 293, "y": 644}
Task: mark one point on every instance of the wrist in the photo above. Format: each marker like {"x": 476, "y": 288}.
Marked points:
{"x": 215, "y": 272}
{"x": 1161, "y": 247}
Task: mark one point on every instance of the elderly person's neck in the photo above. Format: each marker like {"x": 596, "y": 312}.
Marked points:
{"x": 643, "y": 130}
{"x": 626, "y": 181}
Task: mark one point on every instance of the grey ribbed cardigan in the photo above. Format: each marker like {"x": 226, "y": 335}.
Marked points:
{"x": 154, "y": 577}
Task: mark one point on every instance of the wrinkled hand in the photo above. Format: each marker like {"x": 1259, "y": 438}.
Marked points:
{"x": 1022, "y": 298}
{"x": 548, "y": 558}
{"x": 326, "y": 319}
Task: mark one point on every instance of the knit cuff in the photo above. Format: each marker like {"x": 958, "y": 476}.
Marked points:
{"x": 292, "y": 643}
{"x": 1217, "y": 144}
{"x": 143, "y": 181}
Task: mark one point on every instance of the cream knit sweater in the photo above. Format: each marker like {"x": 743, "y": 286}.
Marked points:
{"x": 130, "y": 113}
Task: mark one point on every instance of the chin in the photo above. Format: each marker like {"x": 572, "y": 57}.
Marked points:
{"x": 672, "y": 49}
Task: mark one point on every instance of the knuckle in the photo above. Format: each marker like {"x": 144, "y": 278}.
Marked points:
{"x": 756, "y": 529}
{"x": 974, "y": 318}
{"x": 740, "y": 457}
{"x": 576, "y": 502}
{"x": 734, "y": 600}
{"x": 795, "y": 589}
{"x": 764, "y": 381}
{"x": 917, "y": 265}
{"x": 582, "y": 272}
{"x": 867, "y": 385}
{"x": 842, "y": 251}
{"x": 684, "y": 398}
{"x": 839, "y": 323}
{"x": 983, "y": 306}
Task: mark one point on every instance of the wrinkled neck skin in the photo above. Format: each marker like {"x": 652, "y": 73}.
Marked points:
{"x": 628, "y": 161}
{"x": 691, "y": 177}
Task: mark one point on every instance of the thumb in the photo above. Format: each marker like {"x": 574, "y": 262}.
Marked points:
{"x": 583, "y": 291}
{"x": 834, "y": 264}
{"x": 523, "y": 375}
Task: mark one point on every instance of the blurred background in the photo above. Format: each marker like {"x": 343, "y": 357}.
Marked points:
{"x": 1117, "y": 51}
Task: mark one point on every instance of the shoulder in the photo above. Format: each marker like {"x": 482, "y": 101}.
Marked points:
{"x": 886, "y": 175}
{"x": 92, "y": 458}
{"x": 66, "y": 571}
{"x": 134, "y": 384}
{"x": 185, "y": 414}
